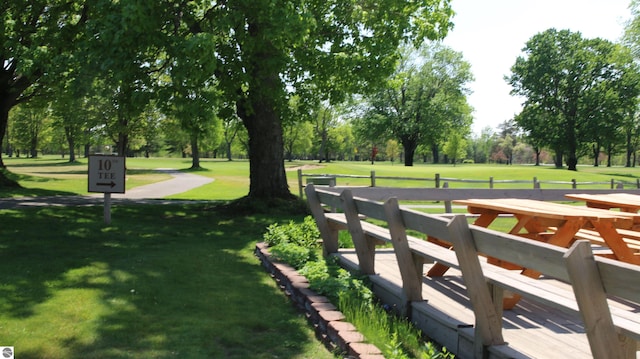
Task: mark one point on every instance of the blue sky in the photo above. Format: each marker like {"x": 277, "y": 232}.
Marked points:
{"x": 491, "y": 34}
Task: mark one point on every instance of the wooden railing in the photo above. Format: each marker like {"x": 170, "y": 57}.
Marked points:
{"x": 611, "y": 331}
{"x": 443, "y": 182}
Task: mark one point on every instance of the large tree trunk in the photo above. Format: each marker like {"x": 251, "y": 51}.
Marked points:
{"x": 71, "y": 143}
{"x": 630, "y": 149}
{"x": 123, "y": 144}
{"x": 259, "y": 109}
{"x": 229, "y": 157}
{"x": 267, "y": 176}
{"x": 33, "y": 147}
{"x": 195, "y": 152}
{"x": 409, "y": 151}
{"x": 435, "y": 152}
{"x": 4, "y": 120}
{"x": 557, "y": 158}
{"x": 266, "y": 155}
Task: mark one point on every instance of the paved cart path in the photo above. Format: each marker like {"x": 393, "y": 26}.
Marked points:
{"x": 152, "y": 193}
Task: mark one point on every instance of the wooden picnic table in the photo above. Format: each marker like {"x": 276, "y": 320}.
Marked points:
{"x": 624, "y": 201}
{"x": 556, "y": 223}
{"x": 552, "y": 223}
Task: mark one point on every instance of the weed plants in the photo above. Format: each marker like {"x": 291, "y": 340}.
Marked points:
{"x": 298, "y": 245}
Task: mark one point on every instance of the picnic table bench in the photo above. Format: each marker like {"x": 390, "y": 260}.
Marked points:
{"x": 612, "y": 332}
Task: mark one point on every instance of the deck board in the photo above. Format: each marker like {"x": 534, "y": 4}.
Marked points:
{"x": 532, "y": 329}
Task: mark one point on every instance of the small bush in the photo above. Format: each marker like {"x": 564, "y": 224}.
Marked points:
{"x": 293, "y": 254}
{"x": 304, "y": 234}
{"x": 275, "y": 235}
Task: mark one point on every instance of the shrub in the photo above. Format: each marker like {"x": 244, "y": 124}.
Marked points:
{"x": 326, "y": 277}
{"x": 293, "y": 254}
{"x": 304, "y": 234}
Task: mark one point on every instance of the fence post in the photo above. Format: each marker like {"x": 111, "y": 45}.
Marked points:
{"x": 437, "y": 180}
{"x": 637, "y": 182}
{"x": 536, "y": 184}
{"x": 300, "y": 182}
{"x": 613, "y": 184}
{"x": 447, "y": 204}
{"x": 373, "y": 178}
{"x": 574, "y": 185}
{"x": 491, "y": 182}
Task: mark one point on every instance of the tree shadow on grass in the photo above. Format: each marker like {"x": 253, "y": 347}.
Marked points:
{"x": 161, "y": 281}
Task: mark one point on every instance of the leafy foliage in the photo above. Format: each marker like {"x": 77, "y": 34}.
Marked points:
{"x": 580, "y": 93}
{"x": 304, "y": 234}
{"x": 293, "y": 254}
{"x": 423, "y": 102}
{"x": 294, "y": 243}
{"x": 397, "y": 338}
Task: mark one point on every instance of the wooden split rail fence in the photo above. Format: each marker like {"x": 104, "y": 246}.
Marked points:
{"x": 443, "y": 182}
{"x": 612, "y": 332}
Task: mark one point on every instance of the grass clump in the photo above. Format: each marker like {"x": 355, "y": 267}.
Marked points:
{"x": 298, "y": 245}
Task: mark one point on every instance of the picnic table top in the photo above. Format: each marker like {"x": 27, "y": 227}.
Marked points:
{"x": 612, "y": 200}
{"x": 543, "y": 209}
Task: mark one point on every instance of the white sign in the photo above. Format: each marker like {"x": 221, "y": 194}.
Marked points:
{"x": 106, "y": 174}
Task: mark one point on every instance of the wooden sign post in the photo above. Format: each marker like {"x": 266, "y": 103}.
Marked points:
{"x": 106, "y": 175}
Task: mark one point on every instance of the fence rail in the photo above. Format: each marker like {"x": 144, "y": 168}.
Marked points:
{"x": 443, "y": 182}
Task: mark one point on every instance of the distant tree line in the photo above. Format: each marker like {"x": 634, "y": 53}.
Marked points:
{"x": 329, "y": 80}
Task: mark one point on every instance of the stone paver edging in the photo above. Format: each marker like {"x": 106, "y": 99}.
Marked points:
{"x": 329, "y": 323}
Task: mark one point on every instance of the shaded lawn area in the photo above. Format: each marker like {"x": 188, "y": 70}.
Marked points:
{"x": 159, "y": 282}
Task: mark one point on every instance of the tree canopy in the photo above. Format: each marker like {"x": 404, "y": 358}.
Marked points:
{"x": 257, "y": 54}
{"x": 575, "y": 89}
{"x": 36, "y": 38}
{"x": 423, "y": 102}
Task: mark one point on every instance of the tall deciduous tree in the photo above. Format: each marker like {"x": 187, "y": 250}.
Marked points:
{"x": 33, "y": 36}
{"x": 574, "y": 88}
{"x": 632, "y": 123}
{"x": 329, "y": 47}
{"x": 31, "y": 124}
{"x": 456, "y": 147}
{"x": 424, "y": 101}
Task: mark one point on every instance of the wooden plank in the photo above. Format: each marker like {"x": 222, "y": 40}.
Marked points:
{"x": 435, "y": 226}
{"x": 411, "y": 279}
{"x": 592, "y": 300}
{"x": 547, "y": 210}
{"x": 624, "y": 201}
{"x": 489, "y": 323}
{"x": 329, "y": 235}
{"x": 616, "y": 277}
{"x": 616, "y": 242}
{"x": 544, "y": 257}
{"x": 449, "y": 194}
{"x": 364, "y": 248}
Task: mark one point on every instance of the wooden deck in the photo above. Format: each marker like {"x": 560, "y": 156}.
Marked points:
{"x": 530, "y": 329}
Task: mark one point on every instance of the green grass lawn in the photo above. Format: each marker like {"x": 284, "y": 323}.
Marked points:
{"x": 54, "y": 175}
{"x": 160, "y": 282}
{"x": 169, "y": 281}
